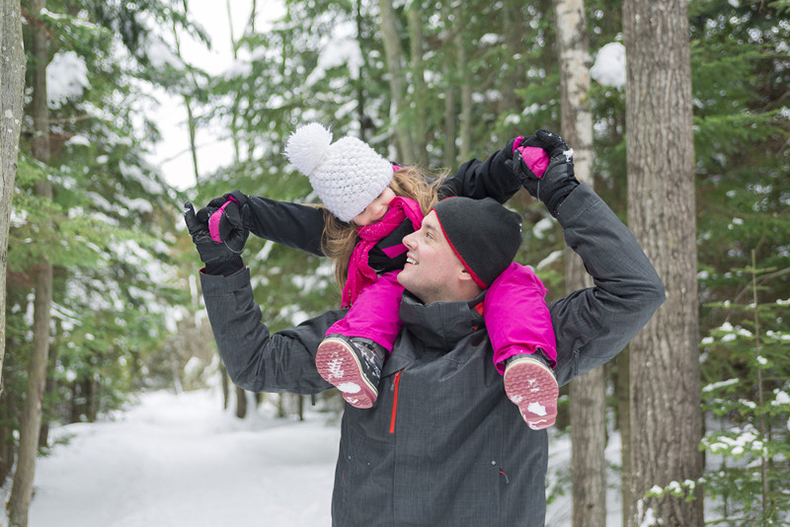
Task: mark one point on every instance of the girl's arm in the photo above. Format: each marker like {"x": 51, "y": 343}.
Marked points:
{"x": 489, "y": 178}
{"x": 290, "y": 224}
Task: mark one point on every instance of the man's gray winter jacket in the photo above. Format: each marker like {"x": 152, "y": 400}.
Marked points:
{"x": 443, "y": 446}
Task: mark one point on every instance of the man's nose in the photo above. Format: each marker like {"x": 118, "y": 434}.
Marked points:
{"x": 408, "y": 240}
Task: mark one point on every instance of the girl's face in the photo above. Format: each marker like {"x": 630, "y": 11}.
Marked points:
{"x": 376, "y": 210}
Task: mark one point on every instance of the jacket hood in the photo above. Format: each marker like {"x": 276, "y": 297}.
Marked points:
{"x": 442, "y": 324}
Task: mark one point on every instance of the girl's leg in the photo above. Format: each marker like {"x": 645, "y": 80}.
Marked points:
{"x": 374, "y": 314}
{"x": 517, "y": 317}
{"x": 353, "y": 353}
{"x": 519, "y": 325}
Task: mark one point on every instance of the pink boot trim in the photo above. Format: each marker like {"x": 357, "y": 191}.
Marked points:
{"x": 339, "y": 366}
{"x": 531, "y": 386}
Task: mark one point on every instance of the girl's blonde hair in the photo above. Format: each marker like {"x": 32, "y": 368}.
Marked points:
{"x": 340, "y": 237}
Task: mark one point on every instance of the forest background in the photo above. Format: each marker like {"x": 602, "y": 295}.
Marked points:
{"x": 102, "y": 275}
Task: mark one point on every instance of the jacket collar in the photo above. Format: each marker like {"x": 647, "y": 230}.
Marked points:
{"x": 442, "y": 324}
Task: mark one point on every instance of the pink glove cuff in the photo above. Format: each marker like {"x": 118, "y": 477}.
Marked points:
{"x": 537, "y": 159}
{"x": 215, "y": 219}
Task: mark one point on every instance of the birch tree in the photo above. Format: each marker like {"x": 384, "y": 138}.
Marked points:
{"x": 12, "y": 83}
{"x": 665, "y": 385}
{"x": 587, "y": 393}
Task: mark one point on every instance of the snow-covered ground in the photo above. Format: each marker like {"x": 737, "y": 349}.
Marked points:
{"x": 183, "y": 461}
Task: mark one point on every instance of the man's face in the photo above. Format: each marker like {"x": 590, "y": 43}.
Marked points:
{"x": 432, "y": 269}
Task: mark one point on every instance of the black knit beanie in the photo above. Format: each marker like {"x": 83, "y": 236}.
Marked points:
{"x": 483, "y": 234}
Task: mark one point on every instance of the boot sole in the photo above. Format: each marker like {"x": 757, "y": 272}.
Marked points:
{"x": 531, "y": 386}
{"x": 339, "y": 366}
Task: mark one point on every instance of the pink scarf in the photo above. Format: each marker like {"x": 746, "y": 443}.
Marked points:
{"x": 360, "y": 274}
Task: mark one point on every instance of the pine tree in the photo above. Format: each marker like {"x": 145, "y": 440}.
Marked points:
{"x": 748, "y": 450}
{"x": 97, "y": 213}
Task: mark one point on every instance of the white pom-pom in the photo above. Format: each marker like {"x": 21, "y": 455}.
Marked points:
{"x": 307, "y": 147}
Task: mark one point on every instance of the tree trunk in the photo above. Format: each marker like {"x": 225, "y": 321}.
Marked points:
{"x": 622, "y": 390}
{"x": 30, "y": 425}
{"x": 665, "y": 385}
{"x": 49, "y": 390}
{"x": 450, "y": 112}
{"x": 513, "y": 33}
{"x": 280, "y": 405}
{"x": 394, "y": 55}
{"x": 191, "y": 121}
{"x": 92, "y": 410}
{"x": 466, "y": 91}
{"x": 364, "y": 122}
{"x": 587, "y": 393}
{"x": 450, "y": 124}
{"x": 420, "y": 109}
{"x": 12, "y": 84}
{"x": 223, "y": 372}
{"x": 7, "y": 444}
{"x": 241, "y": 403}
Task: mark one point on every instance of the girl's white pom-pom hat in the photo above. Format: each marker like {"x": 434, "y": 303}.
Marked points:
{"x": 347, "y": 174}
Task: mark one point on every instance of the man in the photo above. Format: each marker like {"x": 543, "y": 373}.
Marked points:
{"x": 444, "y": 446}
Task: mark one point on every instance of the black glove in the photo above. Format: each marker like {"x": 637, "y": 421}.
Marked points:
{"x": 558, "y": 181}
{"x": 223, "y": 258}
{"x": 222, "y": 219}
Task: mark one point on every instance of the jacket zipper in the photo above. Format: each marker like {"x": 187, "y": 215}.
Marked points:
{"x": 395, "y": 385}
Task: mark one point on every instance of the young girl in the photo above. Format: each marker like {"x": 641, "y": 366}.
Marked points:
{"x": 374, "y": 204}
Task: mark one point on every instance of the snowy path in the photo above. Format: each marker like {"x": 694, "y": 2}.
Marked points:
{"x": 182, "y": 461}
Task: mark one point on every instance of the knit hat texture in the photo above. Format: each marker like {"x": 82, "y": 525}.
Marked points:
{"x": 347, "y": 174}
{"x": 484, "y": 235}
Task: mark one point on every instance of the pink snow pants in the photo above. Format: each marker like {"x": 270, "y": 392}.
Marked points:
{"x": 374, "y": 314}
{"x": 515, "y": 313}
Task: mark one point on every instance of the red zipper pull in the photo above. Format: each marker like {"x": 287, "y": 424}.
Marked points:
{"x": 395, "y": 385}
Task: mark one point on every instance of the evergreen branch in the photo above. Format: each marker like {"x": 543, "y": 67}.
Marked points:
{"x": 759, "y": 281}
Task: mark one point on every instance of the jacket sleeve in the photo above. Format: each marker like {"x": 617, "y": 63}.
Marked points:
{"x": 255, "y": 359}
{"x": 486, "y": 179}
{"x": 290, "y": 224}
{"x": 593, "y": 325}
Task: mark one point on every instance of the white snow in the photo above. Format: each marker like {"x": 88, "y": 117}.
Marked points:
{"x": 181, "y": 460}
{"x": 609, "y": 66}
{"x": 543, "y": 226}
{"x": 67, "y": 77}
{"x": 720, "y": 384}
{"x": 550, "y": 259}
{"x": 336, "y": 52}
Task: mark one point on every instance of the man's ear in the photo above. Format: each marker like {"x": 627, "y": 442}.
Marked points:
{"x": 464, "y": 275}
